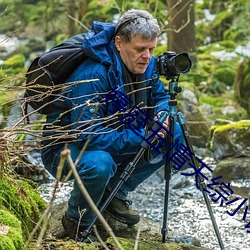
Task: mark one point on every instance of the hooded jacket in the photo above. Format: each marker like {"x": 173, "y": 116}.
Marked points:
{"x": 86, "y": 117}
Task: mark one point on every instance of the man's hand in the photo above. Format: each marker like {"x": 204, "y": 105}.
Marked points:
{"x": 165, "y": 124}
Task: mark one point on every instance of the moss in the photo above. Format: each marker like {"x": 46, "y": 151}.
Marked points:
{"x": 225, "y": 75}
{"x": 16, "y": 61}
{"x": 13, "y": 239}
{"x": 16, "y": 237}
{"x": 235, "y": 125}
{"x": 13, "y": 71}
{"x": 9, "y": 219}
{"x": 214, "y": 101}
{"x": 21, "y": 199}
{"x": 128, "y": 244}
{"x": 6, "y": 243}
{"x": 221, "y": 133}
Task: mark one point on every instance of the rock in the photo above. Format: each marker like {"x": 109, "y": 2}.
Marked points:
{"x": 230, "y": 139}
{"x": 149, "y": 238}
{"x": 189, "y": 96}
{"x": 233, "y": 169}
{"x": 197, "y": 125}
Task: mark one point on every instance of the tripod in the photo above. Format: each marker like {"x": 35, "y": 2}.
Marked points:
{"x": 173, "y": 90}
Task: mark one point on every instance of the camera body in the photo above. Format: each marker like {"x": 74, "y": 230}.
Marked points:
{"x": 171, "y": 65}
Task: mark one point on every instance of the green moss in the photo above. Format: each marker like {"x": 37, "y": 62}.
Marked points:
{"x": 6, "y": 243}
{"x": 13, "y": 238}
{"x": 228, "y": 45}
{"x": 9, "y": 219}
{"x": 16, "y": 237}
{"x": 225, "y": 75}
{"x": 13, "y": 71}
{"x": 236, "y": 125}
{"x": 21, "y": 199}
{"x": 214, "y": 101}
{"x": 128, "y": 244}
{"x": 16, "y": 61}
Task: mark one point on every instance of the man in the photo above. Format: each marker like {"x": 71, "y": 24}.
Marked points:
{"x": 123, "y": 79}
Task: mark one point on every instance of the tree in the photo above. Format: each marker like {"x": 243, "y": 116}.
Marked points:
{"x": 181, "y": 27}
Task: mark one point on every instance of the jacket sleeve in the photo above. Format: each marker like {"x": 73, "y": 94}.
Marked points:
{"x": 89, "y": 120}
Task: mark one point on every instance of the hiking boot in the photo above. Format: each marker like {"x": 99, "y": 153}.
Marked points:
{"x": 121, "y": 211}
{"x": 75, "y": 231}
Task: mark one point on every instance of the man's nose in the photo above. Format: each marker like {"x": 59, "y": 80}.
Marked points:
{"x": 146, "y": 54}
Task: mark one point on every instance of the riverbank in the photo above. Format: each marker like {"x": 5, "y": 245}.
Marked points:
{"x": 188, "y": 215}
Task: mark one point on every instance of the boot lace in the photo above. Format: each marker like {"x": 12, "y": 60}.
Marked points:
{"x": 127, "y": 203}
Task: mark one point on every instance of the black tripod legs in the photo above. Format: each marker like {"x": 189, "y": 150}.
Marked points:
{"x": 200, "y": 178}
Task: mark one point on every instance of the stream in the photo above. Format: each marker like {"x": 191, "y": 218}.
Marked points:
{"x": 188, "y": 216}
{"x": 187, "y": 212}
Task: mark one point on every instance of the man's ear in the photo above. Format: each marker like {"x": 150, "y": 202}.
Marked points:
{"x": 118, "y": 42}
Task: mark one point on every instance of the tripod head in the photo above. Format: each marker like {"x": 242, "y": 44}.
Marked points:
{"x": 174, "y": 89}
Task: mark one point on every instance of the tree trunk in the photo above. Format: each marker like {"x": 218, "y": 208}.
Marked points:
{"x": 83, "y": 7}
{"x": 71, "y": 6}
{"x": 181, "y": 27}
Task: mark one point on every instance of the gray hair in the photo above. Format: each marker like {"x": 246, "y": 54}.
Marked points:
{"x": 137, "y": 22}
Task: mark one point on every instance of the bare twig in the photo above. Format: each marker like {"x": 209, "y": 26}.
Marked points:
{"x": 67, "y": 155}
{"x": 77, "y": 21}
{"x": 99, "y": 238}
{"x": 137, "y": 236}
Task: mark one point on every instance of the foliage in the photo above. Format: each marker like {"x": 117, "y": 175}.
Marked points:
{"x": 228, "y": 23}
{"x": 242, "y": 84}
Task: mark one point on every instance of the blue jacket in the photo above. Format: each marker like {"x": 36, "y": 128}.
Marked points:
{"x": 87, "y": 118}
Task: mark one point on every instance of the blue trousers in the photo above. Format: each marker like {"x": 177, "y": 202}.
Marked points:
{"x": 99, "y": 171}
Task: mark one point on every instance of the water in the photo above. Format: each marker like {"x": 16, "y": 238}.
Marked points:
{"x": 187, "y": 211}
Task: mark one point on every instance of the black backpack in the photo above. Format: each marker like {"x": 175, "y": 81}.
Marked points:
{"x": 47, "y": 74}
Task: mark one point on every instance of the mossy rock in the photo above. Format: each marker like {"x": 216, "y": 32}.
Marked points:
{"x": 22, "y": 200}
{"x": 128, "y": 244}
{"x": 231, "y": 139}
{"x": 219, "y": 107}
{"x": 10, "y": 231}
{"x": 233, "y": 169}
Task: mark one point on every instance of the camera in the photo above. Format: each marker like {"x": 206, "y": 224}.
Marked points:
{"x": 171, "y": 65}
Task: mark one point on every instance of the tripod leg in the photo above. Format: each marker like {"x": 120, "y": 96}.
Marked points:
{"x": 124, "y": 176}
{"x": 201, "y": 182}
{"x": 168, "y": 173}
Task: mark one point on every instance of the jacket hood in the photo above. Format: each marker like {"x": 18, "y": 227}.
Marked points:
{"x": 98, "y": 43}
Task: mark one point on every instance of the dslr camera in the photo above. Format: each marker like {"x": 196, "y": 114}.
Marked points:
{"x": 171, "y": 65}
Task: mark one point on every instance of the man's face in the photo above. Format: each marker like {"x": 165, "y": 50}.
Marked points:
{"x": 137, "y": 53}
